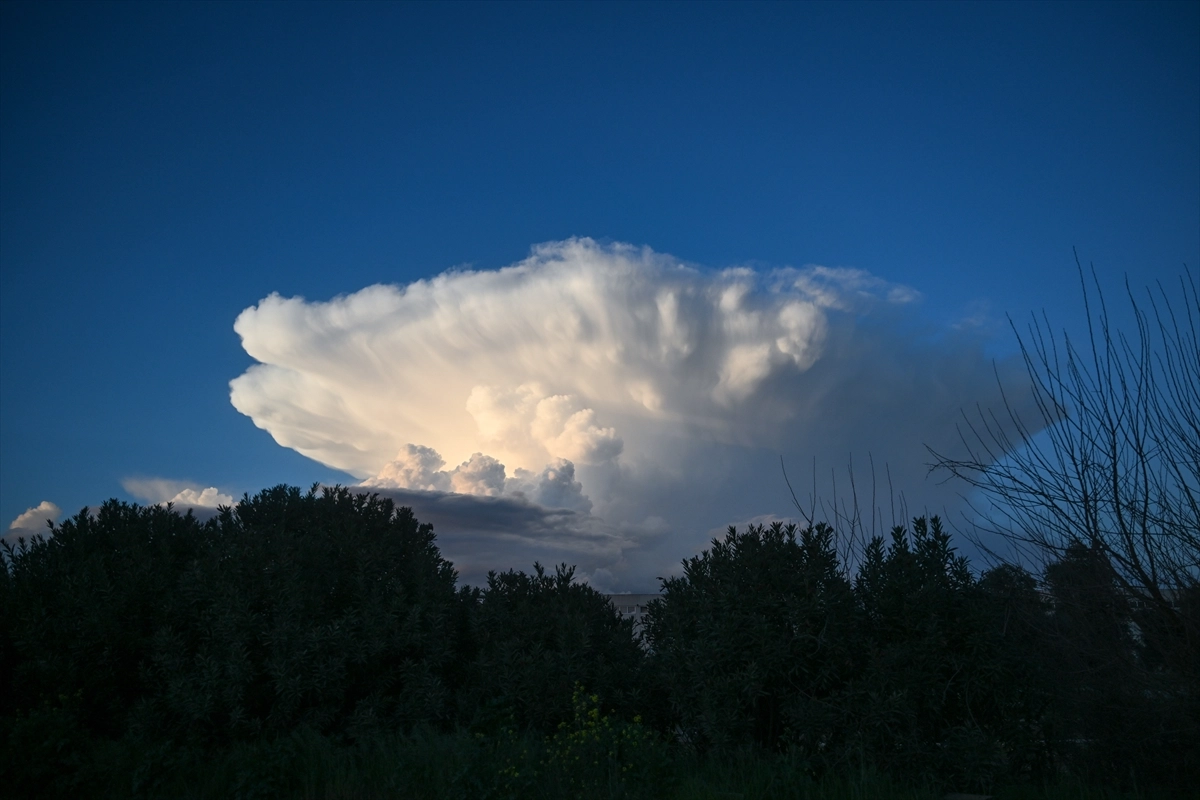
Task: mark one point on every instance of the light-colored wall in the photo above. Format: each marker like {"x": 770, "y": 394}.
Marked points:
{"x": 632, "y": 606}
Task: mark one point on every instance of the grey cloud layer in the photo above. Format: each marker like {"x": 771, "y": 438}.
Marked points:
{"x": 480, "y": 534}
{"x": 635, "y": 394}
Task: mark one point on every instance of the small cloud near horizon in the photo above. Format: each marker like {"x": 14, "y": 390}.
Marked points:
{"x": 181, "y": 494}
{"x": 33, "y": 521}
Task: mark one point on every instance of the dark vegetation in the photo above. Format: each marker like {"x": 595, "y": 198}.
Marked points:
{"x": 316, "y": 644}
{"x": 140, "y": 645}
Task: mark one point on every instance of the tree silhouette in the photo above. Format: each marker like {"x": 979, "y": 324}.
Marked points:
{"x": 538, "y": 637}
{"x": 1107, "y": 501}
{"x": 1117, "y": 469}
{"x": 755, "y": 631}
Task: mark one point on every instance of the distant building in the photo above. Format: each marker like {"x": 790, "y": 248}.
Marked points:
{"x": 632, "y": 606}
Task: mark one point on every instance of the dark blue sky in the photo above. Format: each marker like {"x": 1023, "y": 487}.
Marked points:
{"x": 165, "y": 166}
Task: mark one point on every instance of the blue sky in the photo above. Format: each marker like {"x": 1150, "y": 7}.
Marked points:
{"x": 165, "y": 167}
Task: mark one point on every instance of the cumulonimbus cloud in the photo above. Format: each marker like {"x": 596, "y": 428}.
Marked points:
{"x": 614, "y": 383}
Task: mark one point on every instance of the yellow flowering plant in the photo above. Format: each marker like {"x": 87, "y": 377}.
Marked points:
{"x": 595, "y": 755}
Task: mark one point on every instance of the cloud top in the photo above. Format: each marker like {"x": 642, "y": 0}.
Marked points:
{"x": 542, "y": 360}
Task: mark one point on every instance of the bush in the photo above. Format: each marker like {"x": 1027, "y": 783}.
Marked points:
{"x": 538, "y": 636}
{"x": 767, "y": 644}
{"x": 327, "y": 610}
{"x": 756, "y": 633}
{"x": 82, "y": 608}
{"x": 923, "y": 660}
{"x": 310, "y": 639}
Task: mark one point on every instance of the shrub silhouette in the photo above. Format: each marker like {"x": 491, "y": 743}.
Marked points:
{"x": 333, "y": 615}
{"x": 936, "y": 691}
{"x": 82, "y": 607}
{"x": 756, "y": 629}
{"x": 767, "y": 643}
{"x": 328, "y": 610}
{"x": 322, "y": 609}
{"x": 538, "y": 637}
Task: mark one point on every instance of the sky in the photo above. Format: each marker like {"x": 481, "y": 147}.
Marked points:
{"x": 568, "y": 279}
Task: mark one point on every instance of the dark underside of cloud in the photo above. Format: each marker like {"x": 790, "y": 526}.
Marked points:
{"x": 480, "y": 534}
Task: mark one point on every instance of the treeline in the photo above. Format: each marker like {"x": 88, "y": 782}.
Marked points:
{"x": 334, "y": 614}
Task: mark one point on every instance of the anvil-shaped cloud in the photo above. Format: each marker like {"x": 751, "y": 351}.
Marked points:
{"x": 650, "y": 398}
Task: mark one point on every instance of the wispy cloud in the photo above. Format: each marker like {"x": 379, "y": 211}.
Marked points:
{"x": 613, "y": 389}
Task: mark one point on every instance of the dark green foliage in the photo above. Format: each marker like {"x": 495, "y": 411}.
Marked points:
{"x": 766, "y": 643}
{"x": 539, "y": 636}
{"x": 1120, "y": 667}
{"x": 591, "y": 755}
{"x": 305, "y": 635}
{"x": 79, "y": 613}
{"x": 461, "y": 766}
{"x": 43, "y": 751}
{"x": 1020, "y": 708}
{"x": 1170, "y": 653}
{"x": 754, "y": 634}
{"x": 328, "y": 610}
{"x": 939, "y": 694}
{"x": 82, "y": 607}
{"x": 1089, "y": 639}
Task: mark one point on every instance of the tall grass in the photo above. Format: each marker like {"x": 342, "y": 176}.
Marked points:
{"x": 468, "y": 766}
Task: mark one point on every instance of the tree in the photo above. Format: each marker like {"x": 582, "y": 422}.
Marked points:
{"x": 1106, "y": 498}
{"x": 329, "y": 610}
{"x": 81, "y": 608}
{"x": 78, "y": 614}
{"x": 537, "y": 638}
{"x": 764, "y": 641}
{"x": 940, "y": 696}
{"x": 1117, "y": 469}
{"x": 752, "y": 638}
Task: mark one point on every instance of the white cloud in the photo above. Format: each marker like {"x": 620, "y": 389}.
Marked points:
{"x": 537, "y": 361}
{"x": 512, "y": 417}
{"x": 479, "y": 474}
{"x": 414, "y": 467}
{"x": 619, "y": 384}
{"x": 419, "y": 469}
{"x": 209, "y": 497}
{"x": 183, "y": 494}
{"x": 848, "y": 289}
{"x": 33, "y": 521}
